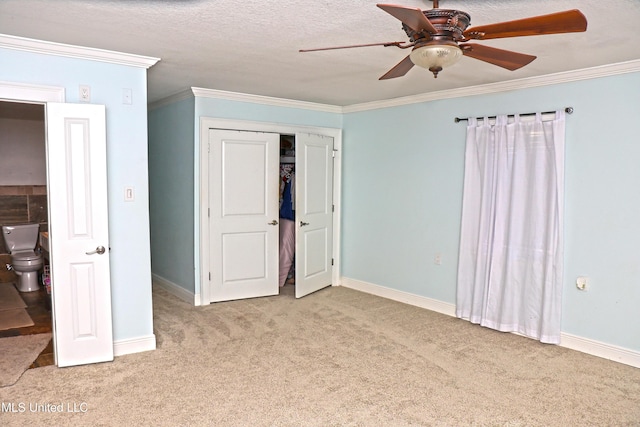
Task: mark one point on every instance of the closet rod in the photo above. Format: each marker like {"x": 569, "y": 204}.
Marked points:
{"x": 568, "y": 110}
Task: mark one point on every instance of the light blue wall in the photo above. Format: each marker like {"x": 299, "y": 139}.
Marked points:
{"x": 402, "y": 182}
{"x": 127, "y": 166}
{"x": 402, "y": 191}
{"x": 171, "y": 154}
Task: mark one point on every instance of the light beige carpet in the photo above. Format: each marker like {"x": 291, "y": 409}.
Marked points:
{"x": 17, "y": 354}
{"x": 337, "y": 357}
{"x": 12, "y": 312}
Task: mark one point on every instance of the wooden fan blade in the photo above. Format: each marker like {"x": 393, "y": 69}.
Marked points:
{"x": 399, "y": 70}
{"x": 570, "y": 21}
{"x": 502, "y": 58}
{"x": 397, "y": 44}
{"x": 411, "y": 17}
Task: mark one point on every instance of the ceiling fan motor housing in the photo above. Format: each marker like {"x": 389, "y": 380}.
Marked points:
{"x": 450, "y": 25}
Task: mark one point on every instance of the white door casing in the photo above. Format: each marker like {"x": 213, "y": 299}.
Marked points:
{"x": 243, "y": 214}
{"x": 79, "y": 233}
{"x": 203, "y": 291}
{"x": 314, "y": 212}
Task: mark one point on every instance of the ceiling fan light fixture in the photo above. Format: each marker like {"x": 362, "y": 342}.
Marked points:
{"x": 435, "y": 57}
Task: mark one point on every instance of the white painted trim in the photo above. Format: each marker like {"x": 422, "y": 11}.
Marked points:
{"x": 573, "y": 342}
{"x": 266, "y": 100}
{"x": 600, "y": 349}
{"x": 400, "y": 296}
{"x": 517, "y": 84}
{"x": 22, "y": 92}
{"x": 175, "y": 290}
{"x": 202, "y": 183}
{"x": 71, "y": 51}
{"x": 134, "y": 345}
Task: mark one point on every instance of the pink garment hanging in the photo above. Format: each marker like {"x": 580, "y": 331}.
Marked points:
{"x": 287, "y": 247}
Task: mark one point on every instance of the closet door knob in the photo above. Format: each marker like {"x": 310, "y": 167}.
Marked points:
{"x": 274, "y": 222}
{"x": 302, "y": 224}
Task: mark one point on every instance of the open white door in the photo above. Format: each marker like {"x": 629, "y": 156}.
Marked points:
{"x": 314, "y": 212}
{"x": 79, "y": 233}
{"x": 243, "y": 218}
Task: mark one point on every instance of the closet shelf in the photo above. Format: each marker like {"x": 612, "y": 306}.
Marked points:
{"x": 284, "y": 159}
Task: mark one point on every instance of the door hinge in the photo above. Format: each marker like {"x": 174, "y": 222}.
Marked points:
{"x": 209, "y": 212}
{"x": 331, "y": 261}
{"x": 209, "y": 275}
{"x": 333, "y": 208}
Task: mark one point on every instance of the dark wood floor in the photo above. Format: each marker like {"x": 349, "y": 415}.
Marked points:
{"x": 39, "y": 308}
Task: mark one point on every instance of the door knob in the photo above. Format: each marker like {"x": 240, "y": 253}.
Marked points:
{"x": 99, "y": 250}
{"x": 274, "y": 222}
{"x": 302, "y": 224}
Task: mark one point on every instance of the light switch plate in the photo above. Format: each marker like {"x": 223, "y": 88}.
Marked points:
{"x": 129, "y": 194}
{"x": 126, "y": 96}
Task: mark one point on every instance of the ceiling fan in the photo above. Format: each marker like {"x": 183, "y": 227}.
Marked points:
{"x": 439, "y": 37}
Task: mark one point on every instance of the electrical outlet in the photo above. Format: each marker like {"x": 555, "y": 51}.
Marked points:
{"x": 582, "y": 283}
{"x": 437, "y": 259}
{"x": 85, "y": 93}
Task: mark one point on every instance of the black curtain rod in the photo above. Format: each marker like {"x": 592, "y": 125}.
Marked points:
{"x": 568, "y": 110}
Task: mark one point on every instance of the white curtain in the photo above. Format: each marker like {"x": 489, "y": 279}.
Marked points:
{"x": 511, "y": 239}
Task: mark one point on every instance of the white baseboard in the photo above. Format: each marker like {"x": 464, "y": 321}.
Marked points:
{"x": 600, "y": 349}
{"x": 134, "y": 345}
{"x": 176, "y": 290}
{"x": 584, "y": 345}
{"x": 400, "y": 296}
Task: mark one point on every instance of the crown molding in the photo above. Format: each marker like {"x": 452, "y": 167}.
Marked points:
{"x": 71, "y": 51}
{"x": 519, "y": 84}
{"x": 266, "y": 100}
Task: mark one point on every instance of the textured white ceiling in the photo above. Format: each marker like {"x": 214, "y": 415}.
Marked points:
{"x": 251, "y": 46}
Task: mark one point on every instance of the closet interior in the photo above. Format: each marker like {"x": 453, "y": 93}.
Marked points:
{"x": 287, "y": 210}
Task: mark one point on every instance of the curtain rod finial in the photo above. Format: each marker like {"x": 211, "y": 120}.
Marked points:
{"x": 568, "y": 110}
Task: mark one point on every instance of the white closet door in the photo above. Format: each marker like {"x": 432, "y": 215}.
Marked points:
{"x": 243, "y": 222}
{"x": 314, "y": 212}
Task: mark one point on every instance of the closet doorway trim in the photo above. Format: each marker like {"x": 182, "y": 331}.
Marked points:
{"x": 201, "y": 229}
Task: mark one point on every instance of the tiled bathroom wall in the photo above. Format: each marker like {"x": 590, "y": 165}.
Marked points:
{"x": 21, "y": 205}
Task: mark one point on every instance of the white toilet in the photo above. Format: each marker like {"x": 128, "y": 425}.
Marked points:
{"x": 21, "y": 241}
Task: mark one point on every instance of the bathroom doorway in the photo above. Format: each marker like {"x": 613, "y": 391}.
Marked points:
{"x": 24, "y": 199}
{"x": 76, "y": 165}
